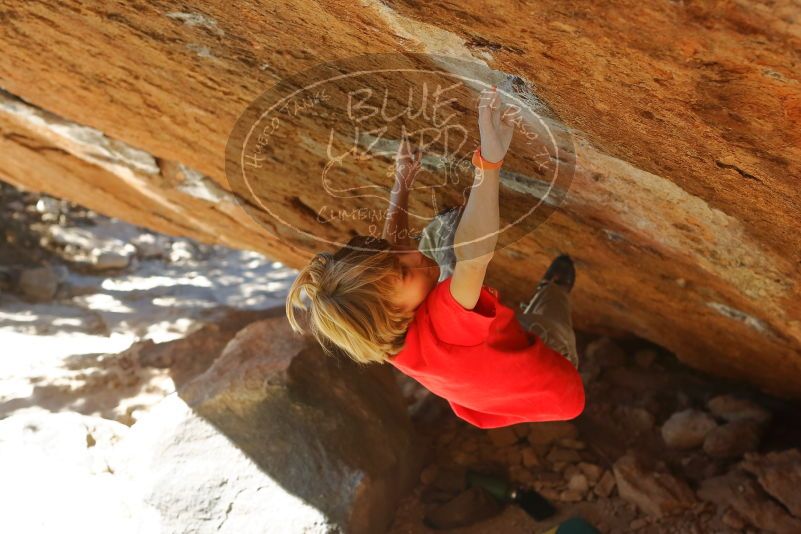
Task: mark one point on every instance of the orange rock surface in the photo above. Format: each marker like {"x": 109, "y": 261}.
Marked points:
{"x": 684, "y": 206}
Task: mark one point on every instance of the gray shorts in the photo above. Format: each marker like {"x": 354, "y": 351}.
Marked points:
{"x": 549, "y": 316}
{"x": 550, "y": 319}
{"x": 436, "y": 240}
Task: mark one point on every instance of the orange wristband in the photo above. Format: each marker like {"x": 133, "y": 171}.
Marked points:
{"x": 479, "y": 161}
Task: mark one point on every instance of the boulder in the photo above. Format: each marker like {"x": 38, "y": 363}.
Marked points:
{"x": 150, "y": 246}
{"x": 501, "y": 437}
{"x": 276, "y": 437}
{"x": 549, "y": 432}
{"x": 605, "y": 485}
{"x": 104, "y": 260}
{"x": 681, "y": 128}
{"x": 579, "y": 483}
{"x": 740, "y": 492}
{"x": 687, "y": 429}
{"x": 561, "y": 456}
{"x": 605, "y": 352}
{"x": 779, "y": 474}
{"x": 734, "y": 439}
{"x": 733, "y": 408}
{"x": 94, "y": 247}
{"x": 529, "y": 457}
{"x": 633, "y": 419}
{"x": 38, "y": 284}
{"x": 591, "y": 471}
{"x": 732, "y": 519}
{"x": 571, "y": 495}
{"x": 655, "y": 493}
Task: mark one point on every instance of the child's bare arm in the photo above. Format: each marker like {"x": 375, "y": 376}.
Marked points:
{"x": 397, "y": 222}
{"x": 477, "y": 234}
{"x": 407, "y": 164}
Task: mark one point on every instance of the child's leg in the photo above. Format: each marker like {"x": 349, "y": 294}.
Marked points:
{"x": 550, "y": 319}
{"x": 436, "y": 240}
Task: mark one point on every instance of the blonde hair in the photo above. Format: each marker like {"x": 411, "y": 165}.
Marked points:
{"x": 351, "y": 295}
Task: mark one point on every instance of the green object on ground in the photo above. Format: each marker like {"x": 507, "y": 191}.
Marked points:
{"x": 501, "y": 489}
{"x": 576, "y": 525}
{"x": 497, "y": 486}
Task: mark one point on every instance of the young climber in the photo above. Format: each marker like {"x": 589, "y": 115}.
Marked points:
{"x": 383, "y": 300}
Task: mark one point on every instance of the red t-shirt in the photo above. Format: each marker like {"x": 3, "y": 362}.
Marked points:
{"x": 492, "y": 372}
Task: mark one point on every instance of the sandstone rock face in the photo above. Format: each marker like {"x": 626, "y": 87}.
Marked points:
{"x": 779, "y": 473}
{"x": 683, "y": 208}
{"x": 737, "y": 490}
{"x": 277, "y": 437}
{"x": 655, "y": 493}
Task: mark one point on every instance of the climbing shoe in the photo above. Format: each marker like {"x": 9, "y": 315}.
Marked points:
{"x": 561, "y": 271}
{"x": 448, "y": 209}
